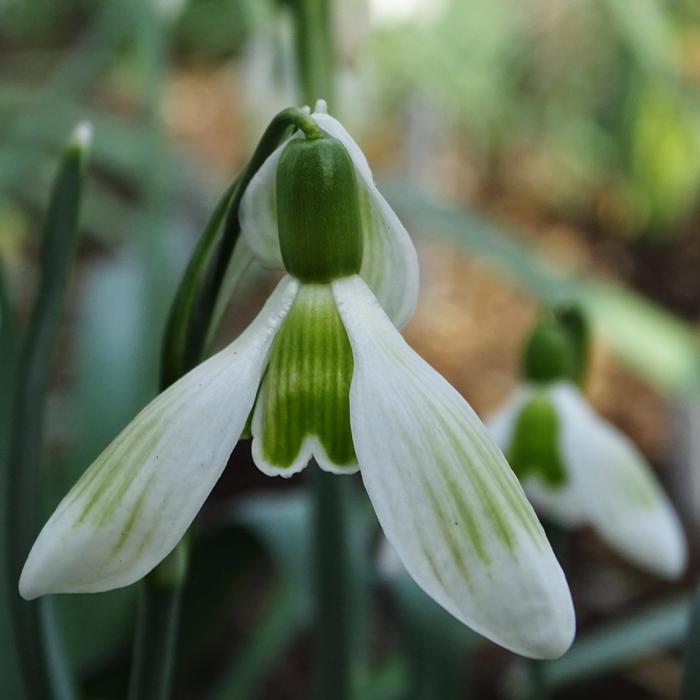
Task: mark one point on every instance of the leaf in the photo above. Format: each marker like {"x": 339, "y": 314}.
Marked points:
{"x": 43, "y": 666}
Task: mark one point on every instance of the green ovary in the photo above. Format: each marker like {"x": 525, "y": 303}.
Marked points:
{"x": 306, "y": 390}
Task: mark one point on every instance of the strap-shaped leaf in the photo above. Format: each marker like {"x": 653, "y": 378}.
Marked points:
{"x": 44, "y": 669}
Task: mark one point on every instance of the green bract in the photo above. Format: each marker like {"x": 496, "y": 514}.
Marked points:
{"x": 318, "y": 210}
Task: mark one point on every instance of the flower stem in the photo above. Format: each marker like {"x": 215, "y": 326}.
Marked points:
{"x": 314, "y": 49}
{"x": 332, "y": 575}
{"x": 156, "y": 629}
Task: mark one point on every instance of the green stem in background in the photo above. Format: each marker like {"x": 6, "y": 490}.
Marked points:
{"x": 42, "y": 668}
{"x": 332, "y": 575}
{"x": 691, "y": 663}
{"x": 156, "y": 629}
{"x": 314, "y": 49}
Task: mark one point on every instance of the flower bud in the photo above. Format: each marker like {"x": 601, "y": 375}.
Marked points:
{"x": 318, "y": 211}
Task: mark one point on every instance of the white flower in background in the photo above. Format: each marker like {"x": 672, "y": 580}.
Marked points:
{"x": 323, "y": 373}
{"x": 577, "y": 468}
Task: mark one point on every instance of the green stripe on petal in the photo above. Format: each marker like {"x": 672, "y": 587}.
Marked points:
{"x": 303, "y": 409}
{"x": 445, "y": 497}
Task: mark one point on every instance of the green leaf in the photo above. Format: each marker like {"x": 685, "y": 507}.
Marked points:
{"x": 44, "y": 669}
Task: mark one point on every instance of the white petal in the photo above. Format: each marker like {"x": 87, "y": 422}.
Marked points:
{"x": 390, "y": 263}
{"x": 132, "y": 506}
{"x": 444, "y": 494}
{"x": 623, "y": 499}
{"x": 258, "y": 212}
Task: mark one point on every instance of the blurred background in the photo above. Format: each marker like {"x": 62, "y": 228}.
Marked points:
{"x": 536, "y": 150}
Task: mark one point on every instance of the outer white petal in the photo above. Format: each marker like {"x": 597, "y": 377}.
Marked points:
{"x": 258, "y": 212}
{"x": 390, "y": 263}
{"x": 444, "y": 494}
{"x": 623, "y": 499}
{"x": 132, "y": 506}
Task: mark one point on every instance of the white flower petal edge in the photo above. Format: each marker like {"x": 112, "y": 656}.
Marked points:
{"x": 623, "y": 498}
{"x": 135, "y": 502}
{"x": 445, "y": 497}
{"x": 390, "y": 262}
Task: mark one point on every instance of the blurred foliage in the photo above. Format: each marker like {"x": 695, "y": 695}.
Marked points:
{"x": 602, "y": 99}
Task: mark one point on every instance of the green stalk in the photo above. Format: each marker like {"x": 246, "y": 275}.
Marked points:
{"x": 156, "y": 629}
{"x": 43, "y": 667}
{"x": 314, "y": 49}
{"x": 332, "y": 575}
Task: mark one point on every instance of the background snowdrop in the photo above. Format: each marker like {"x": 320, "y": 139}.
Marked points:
{"x": 576, "y": 467}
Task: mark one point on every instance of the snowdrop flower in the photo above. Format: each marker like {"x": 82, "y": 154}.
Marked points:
{"x": 323, "y": 373}
{"x": 577, "y": 468}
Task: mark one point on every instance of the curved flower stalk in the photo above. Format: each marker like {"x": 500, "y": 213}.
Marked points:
{"x": 577, "y": 468}
{"x": 323, "y": 373}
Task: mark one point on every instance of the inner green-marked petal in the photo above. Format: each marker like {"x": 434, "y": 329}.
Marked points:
{"x": 534, "y": 448}
{"x": 305, "y": 392}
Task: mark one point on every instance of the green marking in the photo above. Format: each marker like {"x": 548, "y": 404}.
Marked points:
{"x": 136, "y": 511}
{"x": 484, "y": 491}
{"x": 306, "y": 390}
{"x": 534, "y": 447}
